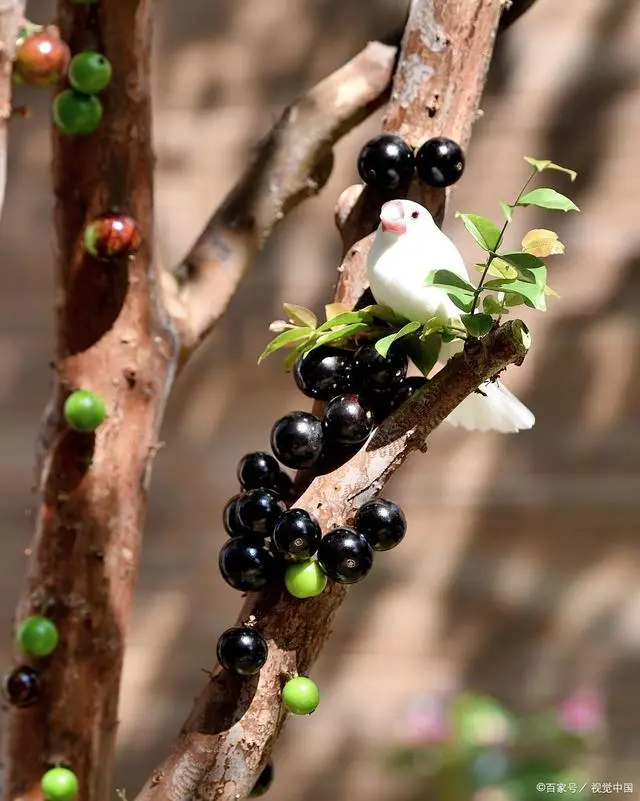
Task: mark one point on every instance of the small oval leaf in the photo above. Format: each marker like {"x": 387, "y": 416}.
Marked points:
{"x": 477, "y": 325}
{"x": 332, "y": 310}
{"x": 293, "y": 336}
{"x": 383, "y": 345}
{"x": 299, "y": 315}
{"x": 546, "y": 198}
{"x": 484, "y": 231}
{"x": 491, "y": 306}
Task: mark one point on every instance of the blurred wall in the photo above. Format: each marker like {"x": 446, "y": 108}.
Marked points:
{"x": 521, "y": 574}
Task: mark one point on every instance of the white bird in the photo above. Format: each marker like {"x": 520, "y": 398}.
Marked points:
{"x": 407, "y": 248}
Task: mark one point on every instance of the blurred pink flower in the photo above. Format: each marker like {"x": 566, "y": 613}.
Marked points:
{"x": 426, "y": 721}
{"x": 581, "y": 712}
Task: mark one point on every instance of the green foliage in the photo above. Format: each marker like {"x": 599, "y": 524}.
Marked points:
{"x": 509, "y": 278}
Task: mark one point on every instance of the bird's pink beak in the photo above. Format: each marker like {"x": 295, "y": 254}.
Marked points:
{"x": 392, "y": 217}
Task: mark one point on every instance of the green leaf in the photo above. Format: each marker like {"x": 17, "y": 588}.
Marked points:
{"x": 344, "y": 333}
{"x": 460, "y": 292}
{"x": 502, "y": 269}
{"x": 433, "y": 326}
{"x": 345, "y": 318}
{"x": 380, "y": 312}
{"x": 332, "y": 310}
{"x": 532, "y": 294}
{"x": 549, "y": 291}
{"x": 507, "y": 210}
{"x": 383, "y": 345}
{"x": 545, "y": 164}
{"x": 491, "y": 306}
{"x": 291, "y": 337}
{"x": 546, "y": 198}
{"x": 477, "y": 325}
{"x": 486, "y": 233}
{"x": 293, "y": 355}
{"x": 528, "y": 267}
{"x": 299, "y": 315}
{"x": 424, "y": 352}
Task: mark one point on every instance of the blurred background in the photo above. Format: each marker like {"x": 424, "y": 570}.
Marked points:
{"x": 520, "y": 575}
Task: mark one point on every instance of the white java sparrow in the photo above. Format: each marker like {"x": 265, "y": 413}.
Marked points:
{"x": 407, "y": 248}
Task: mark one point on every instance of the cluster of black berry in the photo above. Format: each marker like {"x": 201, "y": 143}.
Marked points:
{"x": 387, "y": 162}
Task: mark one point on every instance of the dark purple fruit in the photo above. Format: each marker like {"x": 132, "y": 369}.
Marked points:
{"x": 285, "y": 487}
{"x": 333, "y": 456}
{"x": 347, "y": 421}
{"x": 382, "y": 523}
{"x": 246, "y": 565}
{"x": 345, "y": 555}
{"x": 258, "y": 470}
{"x": 440, "y": 162}
{"x": 375, "y": 373}
{"x": 232, "y": 525}
{"x": 242, "y": 650}
{"x": 323, "y": 372}
{"x": 22, "y": 686}
{"x": 296, "y": 440}
{"x": 264, "y": 781}
{"x": 259, "y": 510}
{"x": 386, "y": 162}
{"x": 382, "y": 404}
{"x": 296, "y": 535}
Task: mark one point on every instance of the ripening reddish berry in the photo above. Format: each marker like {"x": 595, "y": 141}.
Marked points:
{"x": 112, "y": 236}
{"x": 41, "y": 58}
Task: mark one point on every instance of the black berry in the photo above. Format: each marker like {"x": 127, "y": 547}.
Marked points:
{"x": 374, "y": 373}
{"x": 232, "y": 525}
{"x": 22, "y": 686}
{"x": 259, "y": 510}
{"x": 386, "y": 162}
{"x": 285, "y": 487}
{"x": 258, "y": 470}
{"x": 296, "y": 440}
{"x": 242, "y": 650}
{"x": 246, "y": 565}
{"x": 345, "y": 555}
{"x": 347, "y": 421}
{"x": 296, "y": 535}
{"x": 323, "y": 372}
{"x": 264, "y": 781}
{"x": 334, "y": 455}
{"x": 382, "y": 523}
{"x": 440, "y": 162}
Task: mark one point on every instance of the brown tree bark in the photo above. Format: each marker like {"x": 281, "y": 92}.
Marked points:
{"x": 113, "y": 338}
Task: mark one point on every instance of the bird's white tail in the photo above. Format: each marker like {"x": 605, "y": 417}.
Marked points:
{"x": 496, "y": 410}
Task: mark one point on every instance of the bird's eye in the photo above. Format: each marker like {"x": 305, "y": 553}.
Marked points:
{"x": 415, "y": 215}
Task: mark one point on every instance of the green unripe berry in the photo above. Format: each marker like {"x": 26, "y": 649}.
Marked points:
{"x": 84, "y": 410}
{"x": 305, "y": 579}
{"x": 301, "y": 695}
{"x": 89, "y": 72}
{"x": 37, "y": 636}
{"x": 75, "y": 114}
{"x": 59, "y": 784}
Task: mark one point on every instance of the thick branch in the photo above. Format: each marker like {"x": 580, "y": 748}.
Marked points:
{"x": 113, "y": 339}
{"x": 291, "y": 164}
{"x": 11, "y": 13}
{"x": 234, "y": 724}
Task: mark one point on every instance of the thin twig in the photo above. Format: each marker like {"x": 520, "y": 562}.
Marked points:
{"x": 292, "y": 163}
{"x": 234, "y": 724}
